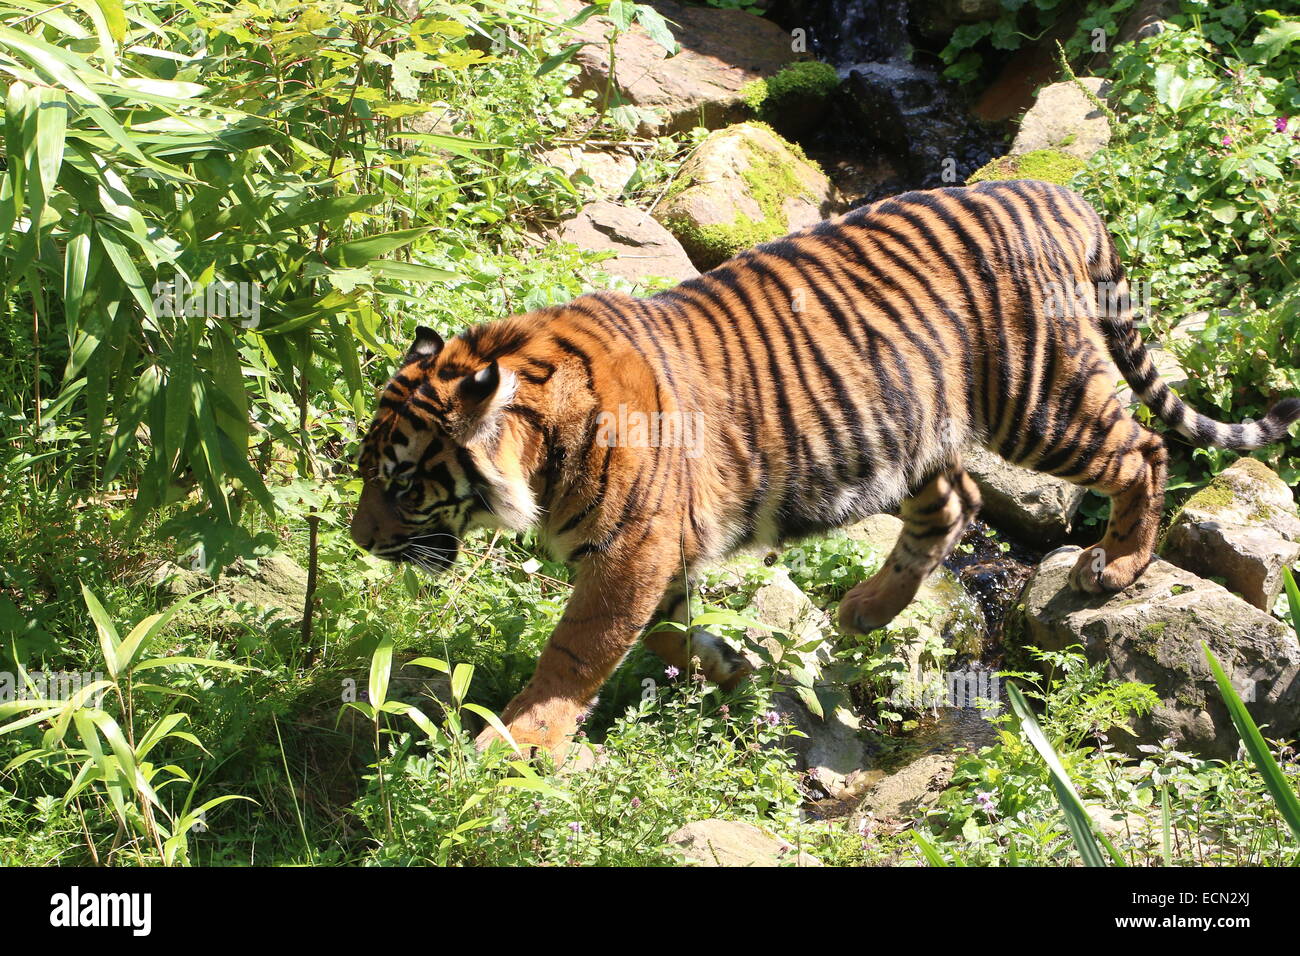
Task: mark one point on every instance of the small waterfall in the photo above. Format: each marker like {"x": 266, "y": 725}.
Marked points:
{"x": 894, "y": 111}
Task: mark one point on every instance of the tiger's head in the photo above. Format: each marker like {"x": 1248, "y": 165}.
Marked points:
{"x": 439, "y": 459}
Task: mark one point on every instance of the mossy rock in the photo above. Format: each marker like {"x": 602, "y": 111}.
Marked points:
{"x": 793, "y": 101}
{"x": 743, "y": 186}
{"x": 1048, "y": 165}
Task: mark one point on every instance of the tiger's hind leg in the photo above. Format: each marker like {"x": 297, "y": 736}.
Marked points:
{"x": 934, "y": 519}
{"x": 1129, "y": 467}
{"x": 718, "y": 660}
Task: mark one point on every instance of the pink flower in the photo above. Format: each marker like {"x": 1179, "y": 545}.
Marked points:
{"x": 1227, "y": 140}
{"x": 671, "y": 671}
{"x": 1279, "y": 124}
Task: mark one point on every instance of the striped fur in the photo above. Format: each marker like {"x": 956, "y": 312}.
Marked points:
{"x": 832, "y": 374}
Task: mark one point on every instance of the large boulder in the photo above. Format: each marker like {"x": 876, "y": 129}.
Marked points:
{"x": 743, "y": 185}
{"x": 1029, "y": 504}
{"x": 1243, "y": 528}
{"x": 642, "y": 248}
{"x": 1151, "y": 633}
{"x": 733, "y": 843}
{"x": 720, "y": 51}
{"x": 1064, "y": 118}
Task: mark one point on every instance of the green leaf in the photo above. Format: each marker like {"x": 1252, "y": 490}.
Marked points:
{"x": 1076, "y": 817}
{"x": 108, "y": 637}
{"x": 1283, "y": 796}
{"x": 381, "y": 669}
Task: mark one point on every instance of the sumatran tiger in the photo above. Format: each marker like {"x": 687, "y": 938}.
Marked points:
{"x": 811, "y": 381}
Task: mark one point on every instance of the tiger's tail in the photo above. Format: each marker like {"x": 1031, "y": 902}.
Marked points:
{"x": 1129, "y": 352}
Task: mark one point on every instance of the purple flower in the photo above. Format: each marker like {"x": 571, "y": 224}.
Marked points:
{"x": 1279, "y": 124}
{"x": 772, "y": 718}
{"x": 671, "y": 671}
{"x": 634, "y": 803}
{"x": 985, "y": 801}
{"x": 1227, "y": 140}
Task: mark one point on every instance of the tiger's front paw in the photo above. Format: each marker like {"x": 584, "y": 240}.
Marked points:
{"x": 546, "y": 725}
{"x": 873, "y": 604}
{"x": 1094, "y": 574}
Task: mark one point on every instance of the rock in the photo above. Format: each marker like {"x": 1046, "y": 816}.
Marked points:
{"x": 938, "y": 18}
{"x": 643, "y": 248}
{"x": 1243, "y": 527}
{"x": 743, "y": 185}
{"x": 1152, "y": 632}
{"x": 596, "y": 174}
{"x": 796, "y": 100}
{"x": 170, "y": 578}
{"x": 907, "y": 793}
{"x": 733, "y": 843}
{"x": 1049, "y": 165}
{"x": 942, "y": 614}
{"x": 906, "y": 110}
{"x": 1064, "y": 119}
{"x": 720, "y": 51}
{"x": 1027, "y": 503}
{"x": 274, "y": 582}
{"x": 1147, "y": 19}
{"x": 830, "y": 750}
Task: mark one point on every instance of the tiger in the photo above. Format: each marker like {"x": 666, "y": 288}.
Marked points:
{"x": 832, "y": 374}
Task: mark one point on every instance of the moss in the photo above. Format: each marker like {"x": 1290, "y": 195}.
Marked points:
{"x": 770, "y": 181}
{"x": 798, "y": 82}
{"x": 1049, "y": 165}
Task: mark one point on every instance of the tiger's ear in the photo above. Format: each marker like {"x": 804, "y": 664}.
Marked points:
{"x": 427, "y": 344}
{"x": 482, "y": 395}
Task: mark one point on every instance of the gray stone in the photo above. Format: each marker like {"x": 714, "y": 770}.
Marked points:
{"x": 1064, "y": 119}
{"x": 1243, "y": 527}
{"x": 720, "y": 51}
{"x": 274, "y": 582}
{"x": 1029, "y": 503}
{"x": 1147, "y": 19}
{"x": 643, "y": 248}
{"x": 743, "y": 185}
{"x": 907, "y": 793}
{"x": 733, "y": 843}
{"x": 1152, "y": 632}
{"x": 607, "y": 173}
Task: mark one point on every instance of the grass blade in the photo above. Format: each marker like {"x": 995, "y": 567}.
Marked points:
{"x": 1285, "y": 798}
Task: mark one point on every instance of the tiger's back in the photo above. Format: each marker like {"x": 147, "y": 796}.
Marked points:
{"x": 835, "y": 373}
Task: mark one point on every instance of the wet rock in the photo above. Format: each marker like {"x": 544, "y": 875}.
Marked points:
{"x": 733, "y": 843}
{"x": 1152, "y": 632}
{"x": 848, "y": 32}
{"x": 905, "y": 109}
{"x": 907, "y": 793}
{"x": 1243, "y": 528}
{"x": 1063, "y": 118}
{"x": 831, "y": 751}
{"x": 595, "y": 173}
{"x": 1028, "y": 503}
{"x": 720, "y": 51}
{"x": 642, "y": 247}
{"x": 744, "y": 185}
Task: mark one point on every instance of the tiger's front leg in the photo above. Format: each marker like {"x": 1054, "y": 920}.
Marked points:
{"x": 613, "y": 600}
